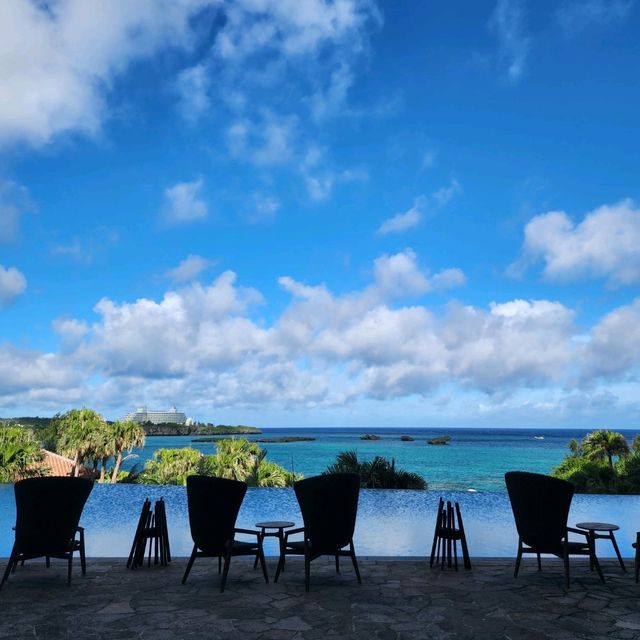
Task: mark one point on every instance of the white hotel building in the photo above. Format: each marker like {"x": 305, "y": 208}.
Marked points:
{"x": 141, "y": 415}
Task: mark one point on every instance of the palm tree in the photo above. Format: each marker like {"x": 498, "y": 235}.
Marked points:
{"x": 80, "y": 436}
{"x": 235, "y": 458}
{"x": 603, "y": 443}
{"x": 124, "y": 436}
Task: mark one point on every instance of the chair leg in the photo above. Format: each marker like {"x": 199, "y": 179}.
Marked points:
{"x": 260, "y": 541}
{"x": 518, "y": 558}
{"x": 539, "y": 563}
{"x": 263, "y": 563}
{"x": 636, "y": 566}
{"x": 337, "y": 563}
{"x": 83, "y": 557}
{"x": 219, "y": 565}
{"x": 69, "y": 568}
{"x": 352, "y": 553}
{"x": 615, "y": 546}
{"x": 280, "y": 566}
{"x": 13, "y": 561}
{"x": 225, "y": 571}
{"x": 190, "y": 564}
{"x": 594, "y": 558}
{"x": 307, "y": 571}
{"x": 47, "y": 562}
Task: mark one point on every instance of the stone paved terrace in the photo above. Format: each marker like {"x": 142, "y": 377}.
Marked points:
{"x": 397, "y": 599}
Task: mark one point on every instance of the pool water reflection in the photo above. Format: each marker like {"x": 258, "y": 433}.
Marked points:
{"x": 390, "y": 523}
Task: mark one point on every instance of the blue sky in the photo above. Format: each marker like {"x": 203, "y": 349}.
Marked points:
{"x": 308, "y": 213}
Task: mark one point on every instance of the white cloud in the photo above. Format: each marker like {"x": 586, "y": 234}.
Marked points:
{"x": 605, "y": 244}
{"x": 614, "y": 348}
{"x": 448, "y": 278}
{"x": 422, "y": 206}
{"x": 14, "y": 203}
{"x": 507, "y": 22}
{"x": 87, "y": 249}
{"x": 443, "y": 196}
{"x": 576, "y": 16}
{"x": 266, "y": 142}
{"x": 404, "y": 221}
{"x": 184, "y": 202}
{"x": 205, "y": 345}
{"x": 189, "y": 268}
{"x": 12, "y": 285}
{"x": 193, "y": 87}
{"x": 263, "y": 208}
{"x": 58, "y": 61}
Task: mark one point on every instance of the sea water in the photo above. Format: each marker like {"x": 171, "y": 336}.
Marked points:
{"x": 473, "y": 459}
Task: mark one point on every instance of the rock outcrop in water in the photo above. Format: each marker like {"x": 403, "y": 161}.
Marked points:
{"x": 440, "y": 440}
{"x": 369, "y": 436}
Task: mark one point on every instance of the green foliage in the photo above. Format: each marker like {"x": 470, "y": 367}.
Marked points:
{"x": 19, "y": 451}
{"x": 234, "y": 459}
{"x": 82, "y": 436}
{"x": 602, "y": 444}
{"x": 590, "y": 466}
{"x": 378, "y": 473}
{"x": 171, "y": 466}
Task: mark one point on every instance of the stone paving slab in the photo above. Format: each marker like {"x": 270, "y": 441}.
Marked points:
{"x": 397, "y": 600}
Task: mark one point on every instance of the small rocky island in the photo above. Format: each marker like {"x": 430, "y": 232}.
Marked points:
{"x": 286, "y": 439}
{"x": 440, "y": 440}
{"x": 171, "y": 429}
{"x": 370, "y": 436}
{"x": 406, "y": 438}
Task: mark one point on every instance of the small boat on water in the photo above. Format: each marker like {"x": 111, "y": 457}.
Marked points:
{"x": 472, "y": 491}
{"x": 538, "y": 437}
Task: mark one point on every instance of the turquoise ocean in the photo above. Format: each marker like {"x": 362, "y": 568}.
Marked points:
{"x": 474, "y": 459}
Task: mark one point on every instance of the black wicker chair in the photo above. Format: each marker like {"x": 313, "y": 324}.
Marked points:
{"x": 541, "y": 507}
{"x": 214, "y": 504}
{"x": 329, "y": 505}
{"x": 48, "y": 511}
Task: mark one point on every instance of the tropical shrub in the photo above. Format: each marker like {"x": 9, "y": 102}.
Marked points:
{"x": 171, "y": 466}
{"x": 378, "y": 473}
{"x": 235, "y": 459}
{"x": 602, "y": 462}
{"x": 19, "y": 452}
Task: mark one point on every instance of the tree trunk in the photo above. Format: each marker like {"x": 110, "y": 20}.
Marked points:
{"x": 75, "y": 465}
{"x": 116, "y": 469}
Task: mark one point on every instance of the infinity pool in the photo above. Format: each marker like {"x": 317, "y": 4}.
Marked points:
{"x": 390, "y": 523}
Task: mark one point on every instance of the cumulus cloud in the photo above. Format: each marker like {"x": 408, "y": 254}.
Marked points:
{"x": 604, "y": 244}
{"x": 59, "y": 60}
{"x": 614, "y": 348}
{"x": 184, "y": 202}
{"x": 12, "y": 284}
{"x": 576, "y": 16}
{"x": 189, "y": 268}
{"x": 208, "y": 345}
{"x": 508, "y": 23}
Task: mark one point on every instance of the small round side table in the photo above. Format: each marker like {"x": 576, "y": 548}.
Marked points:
{"x": 279, "y": 526}
{"x": 594, "y": 527}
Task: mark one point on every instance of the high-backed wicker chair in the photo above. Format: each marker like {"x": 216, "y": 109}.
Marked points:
{"x": 214, "y": 504}
{"x": 541, "y": 507}
{"x": 48, "y": 511}
{"x": 329, "y": 505}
